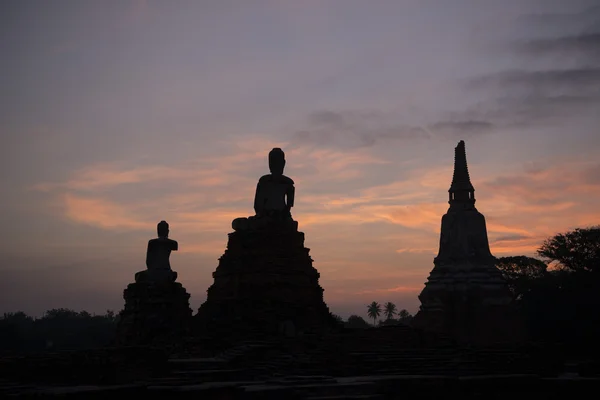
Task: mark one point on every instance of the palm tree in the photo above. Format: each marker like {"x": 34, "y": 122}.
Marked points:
{"x": 389, "y": 309}
{"x": 374, "y": 310}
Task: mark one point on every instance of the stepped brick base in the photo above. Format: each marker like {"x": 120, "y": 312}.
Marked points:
{"x": 155, "y": 313}
{"x": 265, "y": 284}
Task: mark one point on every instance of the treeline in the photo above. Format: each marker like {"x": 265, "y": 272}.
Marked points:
{"x": 559, "y": 292}
{"x": 374, "y": 311}
{"x": 58, "y": 329}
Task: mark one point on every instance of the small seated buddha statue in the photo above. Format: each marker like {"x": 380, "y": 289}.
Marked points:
{"x": 157, "y": 257}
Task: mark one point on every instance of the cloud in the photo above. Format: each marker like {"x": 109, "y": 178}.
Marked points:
{"x": 550, "y": 199}
{"x": 354, "y": 129}
{"x": 569, "y": 21}
{"x": 464, "y": 129}
{"x": 567, "y": 80}
{"x": 356, "y": 227}
{"x": 521, "y": 208}
{"x": 413, "y": 203}
{"x": 582, "y": 45}
{"x": 101, "y": 213}
{"x": 591, "y": 174}
{"x": 205, "y": 194}
{"x": 100, "y": 176}
{"x": 428, "y": 250}
{"x": 423, "y": 216}
{"x": 559, "y": 79}
{"x": 544, "y": 106}
{"x": 396, "y": 289}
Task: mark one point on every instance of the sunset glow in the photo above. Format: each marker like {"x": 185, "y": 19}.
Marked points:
{"x": 120, "y": 115}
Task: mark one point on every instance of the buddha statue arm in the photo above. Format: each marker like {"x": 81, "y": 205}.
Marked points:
{"x": 258, "y": 201}
{"x": 174, "y": 245}
{"x": 290, "y": 194}
{"x": 148, "y": 255}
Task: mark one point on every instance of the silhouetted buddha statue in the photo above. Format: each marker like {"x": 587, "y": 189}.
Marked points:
{"x": 274, "y": 197}
{"x": 157, "y": 257}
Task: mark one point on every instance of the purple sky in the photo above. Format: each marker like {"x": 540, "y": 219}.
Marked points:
{"x": 117, "y": 114}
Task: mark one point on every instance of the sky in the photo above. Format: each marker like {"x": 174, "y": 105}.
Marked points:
{"x": 115, "y": 115}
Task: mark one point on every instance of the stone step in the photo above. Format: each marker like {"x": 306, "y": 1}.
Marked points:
{"x": 206, "y": 388}
{"x": 89, "y": 391}
{"x": 196, "y": 364}
{"x": 265, "y": 391}
{"x": 399, "y": 357}
{"x": 213, "y": 375}
{"x": 312, "y": 389}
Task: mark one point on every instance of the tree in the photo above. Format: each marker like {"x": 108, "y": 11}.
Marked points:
{"x": 389, "y": 310}
{"x": 577, "y": 250}
{"x": 404, "y": 316}
{"x": 337, "y": 320}
{"x": 374, "y": 311}
{"x": 521, "y": 273}
{"x": 18, "y": 317}
{"x": 356, "y": 322}
{"x": 62, "y": 313}
{"x": 15, "y": 332}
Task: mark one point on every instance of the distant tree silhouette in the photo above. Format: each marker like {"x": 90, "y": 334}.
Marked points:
{"x": 337, "y": 318}
{"x": 404, "y": 316}
{"x": 522, "y": 273}
{"x": 374, "y": 311}
{"x": 389, "y": 310}
{"x": 356, "y": 322}
{"x": 58, "y": 329}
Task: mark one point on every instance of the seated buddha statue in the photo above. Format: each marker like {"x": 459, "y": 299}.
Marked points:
{"x": 273, "y": 199}
{"x": 157, "y": 257}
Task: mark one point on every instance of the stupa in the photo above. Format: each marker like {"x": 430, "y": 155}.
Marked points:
{"x": 265, "y": 283}
{"x": 466, "y": 295}
{"x": 157, "y": 310}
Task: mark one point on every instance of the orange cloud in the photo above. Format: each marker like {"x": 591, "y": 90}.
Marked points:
{"x": 215, "y": 247}
{"x": 326, "y": 218}
{"x": 101, "y": 213}
{"x": 424, "y": 216}
{"x": 397, "y": 289}
{"x": 379, "y": 239}
{"x": 431, "y": 250}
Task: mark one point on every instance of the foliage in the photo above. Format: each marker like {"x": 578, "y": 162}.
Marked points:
{"x": 577, "y": 250}
{"x": 374, "y": 311}
{"x": 522, "y": 273}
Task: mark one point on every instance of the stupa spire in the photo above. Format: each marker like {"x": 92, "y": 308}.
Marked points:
{"x": 461, "y": 190}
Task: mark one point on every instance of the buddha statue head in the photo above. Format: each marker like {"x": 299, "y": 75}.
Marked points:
{"x": 162, "y": 229}
{"x": 276, "y": 161}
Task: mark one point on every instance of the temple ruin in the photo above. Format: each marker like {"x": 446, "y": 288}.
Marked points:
{"x": 465, "y": 295}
